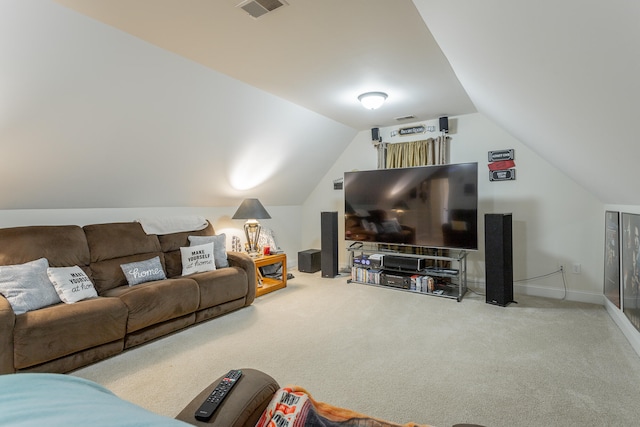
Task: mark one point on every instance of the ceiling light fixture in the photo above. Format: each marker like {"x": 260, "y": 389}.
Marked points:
{"x": 372, "y": 100}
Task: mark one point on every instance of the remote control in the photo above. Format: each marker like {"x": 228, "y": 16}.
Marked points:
{"x": 209, "y": 406}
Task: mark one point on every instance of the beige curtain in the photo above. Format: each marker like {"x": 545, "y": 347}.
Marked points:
{"x": 418, "y": 153}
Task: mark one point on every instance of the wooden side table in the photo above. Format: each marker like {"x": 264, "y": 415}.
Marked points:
{"x": 264, "y": 285}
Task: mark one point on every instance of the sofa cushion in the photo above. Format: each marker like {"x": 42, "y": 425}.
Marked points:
{"x": 221, "y": 286}
{"x": 61, "y": 245}
{"x": 119, "y": 239}
{"x": 154, "y": 302}
{"x": 62, "y": 329}
{"x": 26, "y": 286}
{"x": 219, "y": 247}
{"x": 143, "y": 271}
{"x": 71, "y": 283}
{"x": 113, "y": 244}
{"x": 197, "y": 259}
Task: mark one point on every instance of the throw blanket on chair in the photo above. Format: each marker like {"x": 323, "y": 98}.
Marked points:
{"x": 293, "y": 407}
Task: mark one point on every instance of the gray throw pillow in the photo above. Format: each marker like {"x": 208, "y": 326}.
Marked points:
{"x": 219, "y": 247}
{"x": 143, "y": 271}
{"x": 27, "y": 286}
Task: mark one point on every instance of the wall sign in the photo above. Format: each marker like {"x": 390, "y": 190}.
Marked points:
{"x": 502, "y": 175}
{"x": 413, "y": 130}
{"x": 501, "y": 165}
{"x": 498, "y": 155}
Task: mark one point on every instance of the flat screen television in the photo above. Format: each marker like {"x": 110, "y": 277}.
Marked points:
{"x": 430, "y": 206}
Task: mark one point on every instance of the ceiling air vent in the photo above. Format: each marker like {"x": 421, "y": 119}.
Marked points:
{"x": 405, "y": 118}
{"x": 257, "y": 8}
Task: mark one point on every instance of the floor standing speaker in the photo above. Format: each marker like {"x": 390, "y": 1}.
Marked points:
{"x": 329, "y": 244}
{"x": 498, "y": 248}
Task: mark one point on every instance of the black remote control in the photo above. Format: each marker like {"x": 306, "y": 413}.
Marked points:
{"x": 209, "y": 406}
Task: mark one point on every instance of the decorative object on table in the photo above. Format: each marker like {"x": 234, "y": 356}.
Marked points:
{"x": 235, "y": 244}
{"x": 252, "y": 210}
{"x": 268, "y": 238}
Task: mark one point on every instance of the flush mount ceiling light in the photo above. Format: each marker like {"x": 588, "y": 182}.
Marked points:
{"x": 372, "y": 100}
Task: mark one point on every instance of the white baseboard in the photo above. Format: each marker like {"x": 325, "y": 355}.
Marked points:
{"x": 555, "y": 293}
{"x": 628, "y": 330}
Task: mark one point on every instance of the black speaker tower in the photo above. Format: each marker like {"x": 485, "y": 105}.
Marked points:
{"x": 329, "y": 243}
{"x": 498, "y": 249}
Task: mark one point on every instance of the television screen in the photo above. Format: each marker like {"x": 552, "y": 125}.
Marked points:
{"x": 432, "y": 206}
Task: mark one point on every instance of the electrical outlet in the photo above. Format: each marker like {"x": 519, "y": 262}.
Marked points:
{"x": 577, "y": 268}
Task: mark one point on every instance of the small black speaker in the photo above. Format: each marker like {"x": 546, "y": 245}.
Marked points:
{"x": 329, "y": 243}
{"x": 444, "y": 124}
{"x": 498, "y": 253}
{"x": 309, "y": 261}
{"x": 375, "y": 134}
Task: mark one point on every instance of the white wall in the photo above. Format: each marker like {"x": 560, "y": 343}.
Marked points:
{"x": 359, "y": 155}
{"x": 285, "y": 220}
{"x": 555, "y": 221}
{"x": 92, "y": 117}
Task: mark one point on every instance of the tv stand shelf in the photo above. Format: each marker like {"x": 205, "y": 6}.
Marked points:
{"x": 423, "y": 274}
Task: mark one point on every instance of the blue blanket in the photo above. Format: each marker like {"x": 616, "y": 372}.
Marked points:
{"x": 64, "y": 400}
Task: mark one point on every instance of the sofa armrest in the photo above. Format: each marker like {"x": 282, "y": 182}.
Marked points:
{"x": 243, "y": 406}
{"x": 7, "y": 323}
{"x": 244, "y": 261}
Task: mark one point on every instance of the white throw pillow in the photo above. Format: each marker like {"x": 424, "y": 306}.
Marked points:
{"x": 71, "y": 283}
{"x": 219, "y": 247}
{"x": 26, "y": 286}
{"x": 197, "y": 259}
{"x": 143, "y": 271}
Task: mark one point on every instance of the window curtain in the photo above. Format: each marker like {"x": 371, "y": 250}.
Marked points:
{"x": 432, "y": 151}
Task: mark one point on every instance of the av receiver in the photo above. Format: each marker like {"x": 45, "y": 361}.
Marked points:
{"x": 396, "y": 281}
{"x": 404, "y": 263}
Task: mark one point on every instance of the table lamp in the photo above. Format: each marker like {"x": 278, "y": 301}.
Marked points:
{"x": 251, "y": 210}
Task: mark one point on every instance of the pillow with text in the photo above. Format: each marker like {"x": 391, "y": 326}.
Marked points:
{"x": 197, "y": 259}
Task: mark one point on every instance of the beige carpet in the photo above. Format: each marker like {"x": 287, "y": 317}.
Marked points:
{"x": 402, "y": 357}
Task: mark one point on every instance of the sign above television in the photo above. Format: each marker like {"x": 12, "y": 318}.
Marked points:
{"x": 498, "y": 155}
{"x": 413, "y": 130}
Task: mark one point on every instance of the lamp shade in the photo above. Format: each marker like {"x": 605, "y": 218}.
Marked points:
{"x": 251, "y": 209}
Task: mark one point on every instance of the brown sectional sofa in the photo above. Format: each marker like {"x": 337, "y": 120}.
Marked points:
{"x": 63, "y": 337}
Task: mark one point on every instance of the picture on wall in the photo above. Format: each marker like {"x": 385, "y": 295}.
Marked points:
{"x": 612, "y": 257}
{"x": 631, "y": 267}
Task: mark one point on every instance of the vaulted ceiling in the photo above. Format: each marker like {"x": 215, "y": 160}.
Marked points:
{"x": 317, "y": 54}
{"x": 102, "y": 100}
